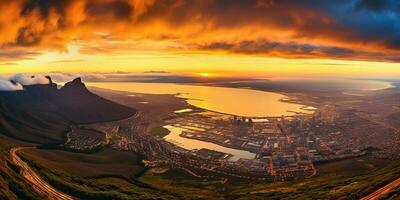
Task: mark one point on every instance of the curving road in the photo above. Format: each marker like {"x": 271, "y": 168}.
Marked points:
{"x": 385, "y": 189}
{"x": 33, "y": 178}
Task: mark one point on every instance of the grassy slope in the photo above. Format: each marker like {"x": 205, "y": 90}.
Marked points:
{"x": 183, "y": 183}
{"x": 105, "y": 162}
{"x": 107, "y": 174}
{"x": 348, "y": 179}
{"x": 12, "y": 185}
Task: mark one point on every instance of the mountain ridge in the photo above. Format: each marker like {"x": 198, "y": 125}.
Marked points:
{"x": 42, "y": 113}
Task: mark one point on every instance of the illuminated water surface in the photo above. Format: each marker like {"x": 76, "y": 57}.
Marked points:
{"x": 236, "y": 101}
{"x": 192, "y": 144}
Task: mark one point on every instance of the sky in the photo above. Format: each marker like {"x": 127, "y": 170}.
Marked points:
{"x": 349, "y": 38}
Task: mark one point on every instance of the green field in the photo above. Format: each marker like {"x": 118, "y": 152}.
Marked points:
{"x": 159, "y": 131}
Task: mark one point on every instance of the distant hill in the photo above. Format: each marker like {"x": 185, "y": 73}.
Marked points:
{"x": 42, "y": 113}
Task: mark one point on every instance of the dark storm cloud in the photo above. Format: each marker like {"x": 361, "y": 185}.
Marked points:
{"x": 376, "y": 5}
{"x": 293, "y": 50}
{"x": 283, "y": 49}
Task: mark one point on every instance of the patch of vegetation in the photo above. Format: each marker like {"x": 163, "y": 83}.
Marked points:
{"x": 207, "y": 153}
{"x": 181, "y": 182}
{"x": 64, "y": 148}
{"x": 159, "y": 131}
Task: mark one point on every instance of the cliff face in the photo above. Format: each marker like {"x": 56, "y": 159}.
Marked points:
{"x": 42, "y": 113}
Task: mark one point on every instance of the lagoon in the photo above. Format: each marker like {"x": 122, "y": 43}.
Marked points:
{"x": 235, "y": 101}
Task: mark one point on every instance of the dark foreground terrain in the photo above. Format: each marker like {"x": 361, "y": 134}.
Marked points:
{"x": 347, "y": 179}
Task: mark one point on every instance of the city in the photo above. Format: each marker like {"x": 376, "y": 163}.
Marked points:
{"x": 284, "y": 148}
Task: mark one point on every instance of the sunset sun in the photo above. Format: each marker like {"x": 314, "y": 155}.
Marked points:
{"x": 205, "y": 74}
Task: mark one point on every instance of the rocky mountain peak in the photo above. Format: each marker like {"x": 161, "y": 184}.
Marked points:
{"x": 75, "y": 85}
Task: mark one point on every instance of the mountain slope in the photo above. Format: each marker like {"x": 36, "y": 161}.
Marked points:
{"x": 43, "y": 113}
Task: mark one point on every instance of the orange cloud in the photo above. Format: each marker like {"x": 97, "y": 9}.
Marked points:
{"x": 291, "y": 29}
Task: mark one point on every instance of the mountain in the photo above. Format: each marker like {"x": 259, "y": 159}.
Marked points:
{"x": 81, "y": 106}
{"x": 43, "y": 113}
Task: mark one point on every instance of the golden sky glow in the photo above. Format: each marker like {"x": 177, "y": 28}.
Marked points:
{"x": 270, "y": 38}
{"x": 195, "y": 63}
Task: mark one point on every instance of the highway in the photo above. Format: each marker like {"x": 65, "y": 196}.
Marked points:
{"x": 33, "y": 178}
{"x": 385, "y": 189}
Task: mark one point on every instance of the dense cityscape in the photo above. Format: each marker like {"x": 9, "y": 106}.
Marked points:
{"x": 284, "y": 147}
